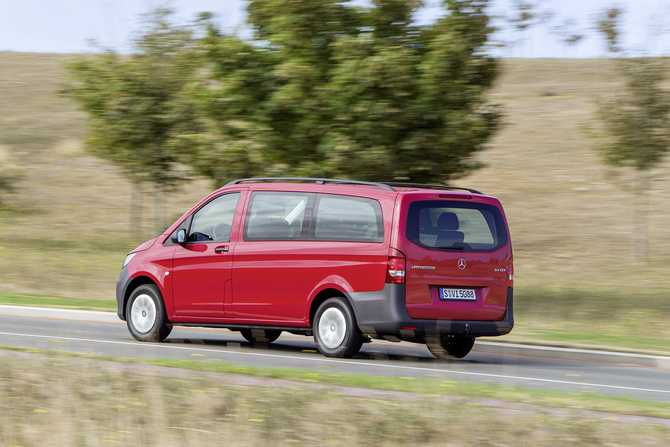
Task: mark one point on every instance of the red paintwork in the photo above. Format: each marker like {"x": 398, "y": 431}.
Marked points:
{"x": 274, "y": 283}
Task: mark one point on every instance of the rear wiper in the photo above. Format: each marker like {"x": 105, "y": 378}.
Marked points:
{"x": 450, "y": 248}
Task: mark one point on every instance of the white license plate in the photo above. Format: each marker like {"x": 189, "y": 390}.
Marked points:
{"x": 458, "y": 294}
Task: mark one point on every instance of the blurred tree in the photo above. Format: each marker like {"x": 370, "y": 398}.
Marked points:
{"x": 6, "y": 184}
{"x": 327, "y": 89}
{"x": 607, "y": 23}
{"x": 135, "y": 108}
{"x": 637, "y": 122}
{"x": 567, "y": 32}
{"x": 524, "y": 16}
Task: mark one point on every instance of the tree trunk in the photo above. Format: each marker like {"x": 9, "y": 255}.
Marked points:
{"x": 640, "y": 212}
{"x": 136, "y": 201}
{"x": 159, "y": 209}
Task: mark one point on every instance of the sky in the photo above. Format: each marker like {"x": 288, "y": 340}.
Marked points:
{"x": 68, "y": 26}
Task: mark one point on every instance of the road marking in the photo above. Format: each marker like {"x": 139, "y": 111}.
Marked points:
{"x": 349, "y": 362}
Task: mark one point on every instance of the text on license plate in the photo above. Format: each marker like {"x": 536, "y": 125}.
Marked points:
{"x": 458, "y": 294}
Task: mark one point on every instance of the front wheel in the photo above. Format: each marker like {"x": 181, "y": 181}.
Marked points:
{"x": 146, "y": 316}
{"x": 336, "y": 333}
{"x": 450, "y": 347}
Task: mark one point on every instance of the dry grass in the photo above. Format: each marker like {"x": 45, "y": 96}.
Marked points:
{"x": 570, "y": 215}
{"x": 51, "y": 402}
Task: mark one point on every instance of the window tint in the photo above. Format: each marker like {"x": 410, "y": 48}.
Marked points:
{"x": 276, "y": 216}
{"x": 344, "y": 218}
{"x": 214, "y": 221}
{"x": 459, "y": 226}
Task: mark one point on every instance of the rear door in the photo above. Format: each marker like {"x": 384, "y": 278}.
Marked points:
{"x": 458, "y": 255}
{"x": 270, "y": 278}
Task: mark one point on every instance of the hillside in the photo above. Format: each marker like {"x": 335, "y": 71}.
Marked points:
{"x": 66, "y": 230}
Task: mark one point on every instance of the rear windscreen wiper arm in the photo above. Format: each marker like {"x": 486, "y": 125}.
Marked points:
{"x": 450, "y": 248}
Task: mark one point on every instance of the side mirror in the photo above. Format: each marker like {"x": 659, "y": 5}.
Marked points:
{"x": 180, "y": 237}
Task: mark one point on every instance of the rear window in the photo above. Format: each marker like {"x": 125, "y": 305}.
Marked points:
{"x": 458, "y": 226}
{"x": 345, "y": 218}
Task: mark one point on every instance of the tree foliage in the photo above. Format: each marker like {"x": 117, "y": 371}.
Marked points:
{"x": 567, "y": 32}
{"x": 637, "y": 120}
{"x": 133, "y": 102}
{"x": 324, "y": 89}
{"x": 607, "y": 23}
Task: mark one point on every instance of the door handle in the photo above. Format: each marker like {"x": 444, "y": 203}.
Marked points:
{"x": 221, "y": 249}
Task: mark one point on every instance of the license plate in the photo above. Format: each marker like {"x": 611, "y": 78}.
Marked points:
{"x": 458, "y": 294}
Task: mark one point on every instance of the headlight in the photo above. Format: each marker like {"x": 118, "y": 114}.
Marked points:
{"x": 128, "y": 258}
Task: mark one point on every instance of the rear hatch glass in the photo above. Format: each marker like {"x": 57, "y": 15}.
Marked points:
{"x": 439, "y": 225}
{"x": 456, "y": 264}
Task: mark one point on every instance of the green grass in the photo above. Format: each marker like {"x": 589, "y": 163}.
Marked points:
{"x": 58, "y": 302}
{"x": 590, "y": 340}
{"x": 58, "y": 401}
{"x": 585, "y": 400}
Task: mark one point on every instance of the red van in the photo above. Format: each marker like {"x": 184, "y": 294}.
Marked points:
{"x": 344, "y": 261}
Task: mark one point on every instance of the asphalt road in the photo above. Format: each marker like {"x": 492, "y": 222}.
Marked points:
{"x": 489, "y": 363}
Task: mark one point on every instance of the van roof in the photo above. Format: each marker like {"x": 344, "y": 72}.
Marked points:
{"x": 388, "y": 186}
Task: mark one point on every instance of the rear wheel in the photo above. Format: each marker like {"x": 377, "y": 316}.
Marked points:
{"x": 260, "y": 335}
{"x": 145, "y": 314}
{"x": 336, "y": 333}
{"x": 446, "y": 347}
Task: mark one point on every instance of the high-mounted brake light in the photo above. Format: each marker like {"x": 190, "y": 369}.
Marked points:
{"x": 454, "y": 196}
{"x": 395, "y": 270}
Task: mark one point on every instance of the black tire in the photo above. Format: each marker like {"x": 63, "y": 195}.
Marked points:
{"x": 260, "y": 335}
{"x": 449, "y": 347}
{"x": 336, "y": 333}
{"x": 146, "y": 316}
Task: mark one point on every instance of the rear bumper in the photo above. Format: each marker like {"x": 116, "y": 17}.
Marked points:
{"x": 383, "y": 314}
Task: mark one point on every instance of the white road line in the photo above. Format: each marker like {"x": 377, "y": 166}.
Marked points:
{"x": 349, "y": 362}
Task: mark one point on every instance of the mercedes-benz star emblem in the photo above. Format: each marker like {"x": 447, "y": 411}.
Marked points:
{"x": 461, "y": 264}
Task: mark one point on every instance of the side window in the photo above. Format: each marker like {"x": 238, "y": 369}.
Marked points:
{"x": 345, "y": 218}
{"x": 213, "y": 222}
{"x": 277, "y": 216}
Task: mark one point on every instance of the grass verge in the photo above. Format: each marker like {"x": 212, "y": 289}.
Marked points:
{"x": 57, "y": 302}
{"x": 54, "y": 402}
{"x": 586, "y": 399}
{"x": 588, "y": 340}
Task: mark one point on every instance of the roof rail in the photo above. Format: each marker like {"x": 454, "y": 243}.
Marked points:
{"x": 419, "y": 185}
{"x": 319, "y": 181}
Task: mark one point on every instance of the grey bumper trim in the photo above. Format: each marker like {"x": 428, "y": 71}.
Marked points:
{"x": 121, "y": 287}
{"x": 384, "y": 313}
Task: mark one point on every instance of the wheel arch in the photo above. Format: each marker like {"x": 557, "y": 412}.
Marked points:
{"x": 323, "y": 296}
{"x": 134, "y": 284}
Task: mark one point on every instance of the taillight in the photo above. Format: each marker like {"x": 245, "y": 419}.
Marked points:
{"x": 395, "y": 270}
{"x": 510, "y": 272}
